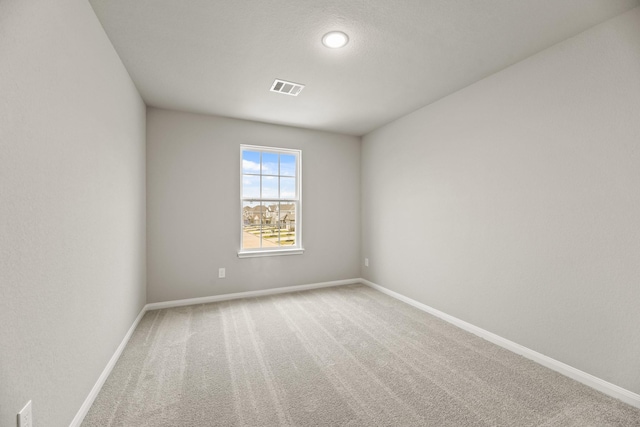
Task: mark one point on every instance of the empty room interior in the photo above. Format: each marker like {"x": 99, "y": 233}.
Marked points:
{"x": 296, "y": 212}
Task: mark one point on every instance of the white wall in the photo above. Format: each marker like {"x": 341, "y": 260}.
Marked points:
{"x": 193, "y": 206}
{"x": 72, "y": 206}
{"x": 514, "y": 204}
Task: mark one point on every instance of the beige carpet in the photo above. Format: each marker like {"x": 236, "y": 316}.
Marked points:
{"x": 344, "y": 356}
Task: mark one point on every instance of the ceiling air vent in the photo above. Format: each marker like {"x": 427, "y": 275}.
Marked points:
{"x": 288, "y": 88}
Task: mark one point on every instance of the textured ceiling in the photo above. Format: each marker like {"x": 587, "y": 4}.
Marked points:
{"x": 221, "y": 57}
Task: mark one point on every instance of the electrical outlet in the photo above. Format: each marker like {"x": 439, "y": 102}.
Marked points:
{"x": 24, "y": 417}
{"x": 221, "y": 273}
{"x": 366, "y": 262}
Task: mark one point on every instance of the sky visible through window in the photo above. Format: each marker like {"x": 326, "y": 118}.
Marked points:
{"x": 278, "y": 175}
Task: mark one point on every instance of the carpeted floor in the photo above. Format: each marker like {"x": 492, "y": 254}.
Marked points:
{"x": 347, "y": 356}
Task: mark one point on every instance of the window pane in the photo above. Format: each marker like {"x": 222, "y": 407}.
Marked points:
{"x": 287, "y": 224}
{"x": 251, "y": 225}
{"x": 270, "y": 163}
{"x": 270, "y": 232}
{"x": 287, "y": 188}
{"x": 251, "y": 162}
{"x": 287, "y": 165}
{"x": 269, "y": 187}
{"x": 250, "y": 186}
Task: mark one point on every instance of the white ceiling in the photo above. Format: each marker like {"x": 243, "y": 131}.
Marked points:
{"x": 221, "y": 56}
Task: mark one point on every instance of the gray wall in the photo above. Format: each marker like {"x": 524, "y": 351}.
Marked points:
{"x": 514, "y": 203}
{"x": 72, "y": 206}
{"x": 193, "y": 206}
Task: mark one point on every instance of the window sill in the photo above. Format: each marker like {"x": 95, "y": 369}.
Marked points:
{"x": 254, "y": 254}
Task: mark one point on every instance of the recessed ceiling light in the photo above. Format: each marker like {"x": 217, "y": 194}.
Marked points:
{"x": 335, "y": 39}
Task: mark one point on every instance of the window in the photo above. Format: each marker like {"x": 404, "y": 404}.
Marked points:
{"x": 270, "y": 200}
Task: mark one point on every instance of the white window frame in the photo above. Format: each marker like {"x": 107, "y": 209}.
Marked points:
{"x": 296, "y": 249}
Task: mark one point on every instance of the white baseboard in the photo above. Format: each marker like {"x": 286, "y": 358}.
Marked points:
{"x": 247, "y": 294}
{"x": 77, "y": 420}
{"x": 601, "y": 385}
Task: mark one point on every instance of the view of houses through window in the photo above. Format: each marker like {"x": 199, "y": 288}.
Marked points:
{"x": 268, "y": 225}
{"x": 270, "y": 198}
